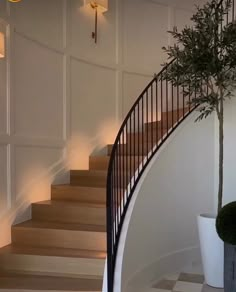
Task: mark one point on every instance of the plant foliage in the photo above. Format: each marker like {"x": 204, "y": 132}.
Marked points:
{"x": 226, "y": 222}
{"x": 205, "y": 57}
{"x": 205, "y": 64}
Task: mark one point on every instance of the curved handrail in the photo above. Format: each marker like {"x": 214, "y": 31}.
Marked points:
{"x": 156, "y": 113}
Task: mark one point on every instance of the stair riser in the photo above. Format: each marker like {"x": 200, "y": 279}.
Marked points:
{"x": 72, "y": 214}
{"x": 133, "y": 149}
{"x": 147, "y": 137}
{"x": 36, "y": 237}
{"x": 121, "y": 181}
{"x": 99, "y": 162}
{"x": 167, "y": 119}
{"x": 55, "y": 266}
{"x": 126, "y": 163}
{"x": 85, "y": 181}
{"x": 80, "y": 194}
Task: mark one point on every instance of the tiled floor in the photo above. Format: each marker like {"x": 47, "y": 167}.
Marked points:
{"x": 183, "y": 282}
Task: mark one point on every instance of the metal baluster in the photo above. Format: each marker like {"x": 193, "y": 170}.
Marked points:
{"x": 119, "y": 183}
{"x": 130, "y": 161}
{"x": 172, "y": 97}
{"x": 147, "y": 123}
{"x": 114, "y": 222}
{"x": 142, "y": 129}
{"x": 167, "y": 110}
{"x": 161, "y": 108}
{"x": 134, "y": 142}
{"x": 116, "y": 192}
{"x": 157, "y": 118}
{"x": 152, "y": 116}
{"x": 123, "y": 170}
{"x": 189, "y": 100}
{"x": 126, "y": 159}
{"x": 138, "y": 138}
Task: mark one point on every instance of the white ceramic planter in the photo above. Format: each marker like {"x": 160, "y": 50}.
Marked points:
{"x": 212, "y": 251}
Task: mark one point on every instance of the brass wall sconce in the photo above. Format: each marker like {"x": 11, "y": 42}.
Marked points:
{"x": 101, "y": 6}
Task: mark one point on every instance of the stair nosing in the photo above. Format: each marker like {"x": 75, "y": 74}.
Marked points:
{"x": 35, "y": 224}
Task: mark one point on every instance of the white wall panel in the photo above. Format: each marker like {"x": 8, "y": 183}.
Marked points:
{"x": 4, "y": 199}
{"x": 92, "y": 97}
{"x": 182, "y": 18}
{"x": 32, "y": 166}
{"x": 133, "y": 85}
{"x": 38, "y": 88}
{"x": 81, "y": 27}
{"x": 145, "y": 27}
{"x": 41, "y": 20}
{"x": 3, "y": 8}
{"x": 229, "y": 152}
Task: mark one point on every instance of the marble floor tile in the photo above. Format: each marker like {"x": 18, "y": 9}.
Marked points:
{"x": 173, "y": 277}
{"x": 192, "y": 278}
{"x": 207, "y": 288}
{"x": 183, "y": 282}
{"x": 165, "y": 284}
{"x": 187, "y": 287}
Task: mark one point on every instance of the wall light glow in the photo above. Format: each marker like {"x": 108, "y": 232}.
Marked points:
{"x": 79, "y": 149}
{"x": 2, "y": 45}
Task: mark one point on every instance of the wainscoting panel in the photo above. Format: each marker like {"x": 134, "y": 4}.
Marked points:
{"x": 182, "y": 18}
{"x": 133, "y": 84}
{"x": 143, "y": 40}
{"x": 4, "y": 194}
{"x": 41, "y": 20}
{"x": 33, "y": 167}
{"x": 38, "y": 88}
{"x": 92, "y": 96}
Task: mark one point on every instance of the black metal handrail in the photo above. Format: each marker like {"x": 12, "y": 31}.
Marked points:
{"x": 154, "y": 116}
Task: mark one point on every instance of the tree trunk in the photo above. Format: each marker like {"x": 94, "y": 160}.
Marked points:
{"x": 221, "y": 152}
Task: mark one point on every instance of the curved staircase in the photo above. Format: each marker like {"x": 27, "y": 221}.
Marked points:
{"x": 63, "y": 246}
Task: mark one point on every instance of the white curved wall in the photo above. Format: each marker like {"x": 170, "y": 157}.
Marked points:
{"x": 162, "y": 234}
{"x": 229, "y": 152}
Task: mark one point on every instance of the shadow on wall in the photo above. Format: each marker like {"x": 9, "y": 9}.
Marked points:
{"x": 34, "y": 183}
{"x": 34, "y": 186}
{"x": 81, "y": 146}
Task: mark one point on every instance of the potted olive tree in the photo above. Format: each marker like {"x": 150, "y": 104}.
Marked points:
{"x": 205, "y": 67}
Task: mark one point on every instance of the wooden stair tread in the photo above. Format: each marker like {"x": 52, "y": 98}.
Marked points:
{"x": 90, "y": 171}
{"x": 76, "y": 193}
{"x": 74, "y": 187}
{"x": 61, "y": 226}
{"x": 53, "y": 252}
{"x": 65, "y": 203}
{"x": 69, "y": 212}
{"x": 18, "y": 282}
